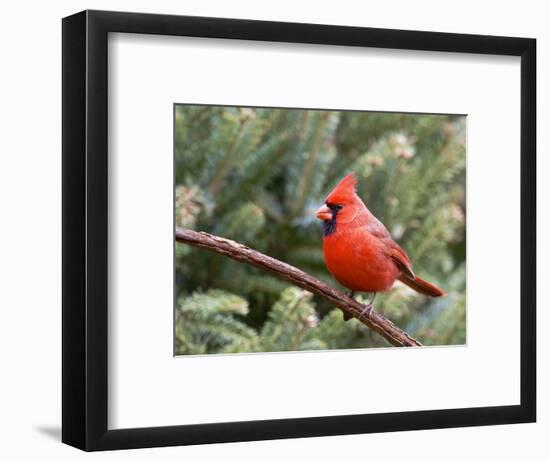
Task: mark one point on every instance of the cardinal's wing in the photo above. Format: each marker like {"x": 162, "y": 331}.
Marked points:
{"x": 400, "y": 258}
{"x": 394, "y": 251}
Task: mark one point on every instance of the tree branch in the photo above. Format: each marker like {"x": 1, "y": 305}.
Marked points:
{"x": 242, "y": 253}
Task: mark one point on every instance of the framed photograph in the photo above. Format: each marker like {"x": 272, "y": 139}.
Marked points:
{"x": 279, "y": 230}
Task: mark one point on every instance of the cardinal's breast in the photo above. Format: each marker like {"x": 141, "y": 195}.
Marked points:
{"x": 359, "y": 261}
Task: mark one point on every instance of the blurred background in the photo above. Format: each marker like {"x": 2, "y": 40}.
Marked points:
{"x": 257, "y": 175}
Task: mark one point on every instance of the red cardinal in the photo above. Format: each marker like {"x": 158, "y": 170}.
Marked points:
{"x": 359, "y": 251}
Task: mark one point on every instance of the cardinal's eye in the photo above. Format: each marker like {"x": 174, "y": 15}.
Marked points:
{"x": 335, "y": 207}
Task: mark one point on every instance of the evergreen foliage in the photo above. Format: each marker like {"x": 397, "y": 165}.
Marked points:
{"x": 258, "y": 175}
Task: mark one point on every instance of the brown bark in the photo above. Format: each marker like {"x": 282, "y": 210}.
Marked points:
{"x": 376, "y": 321}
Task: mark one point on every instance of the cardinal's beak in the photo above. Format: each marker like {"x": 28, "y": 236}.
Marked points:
{"x": 324, "y": 213}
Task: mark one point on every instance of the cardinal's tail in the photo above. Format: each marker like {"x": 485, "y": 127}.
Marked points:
{"x": 420, "y": 285}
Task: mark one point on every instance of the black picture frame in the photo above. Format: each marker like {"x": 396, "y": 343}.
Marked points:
{"x": 85, "y": 219}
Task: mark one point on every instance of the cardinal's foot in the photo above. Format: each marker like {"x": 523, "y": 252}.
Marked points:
{"x": 348, "y": 316}
{"x": 367, "y": 310}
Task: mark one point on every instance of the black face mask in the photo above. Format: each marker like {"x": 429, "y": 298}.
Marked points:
{"x": 329, "y": 225}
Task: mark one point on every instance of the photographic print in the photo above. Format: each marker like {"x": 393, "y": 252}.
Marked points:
{"x": 310, "y": 211}
{"x": 372, "y": 204}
